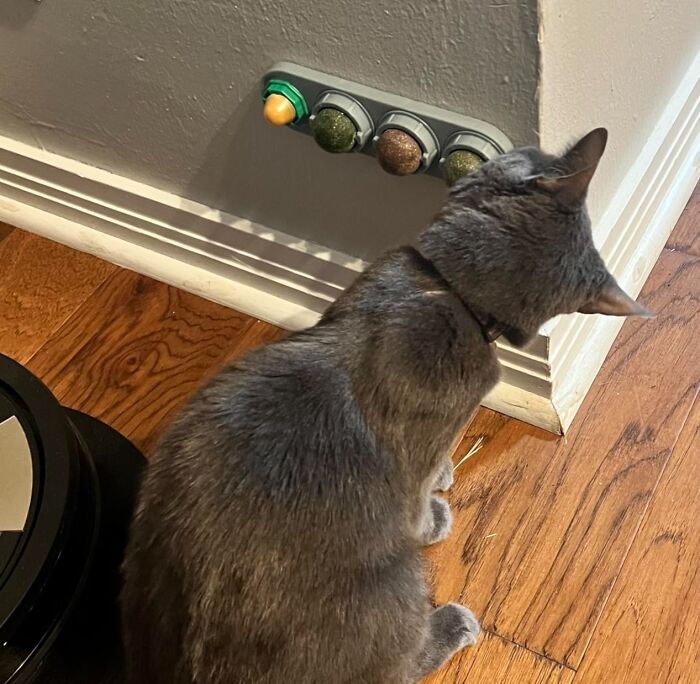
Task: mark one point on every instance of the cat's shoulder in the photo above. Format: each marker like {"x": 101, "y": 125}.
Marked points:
{"x": 397, "y": 275}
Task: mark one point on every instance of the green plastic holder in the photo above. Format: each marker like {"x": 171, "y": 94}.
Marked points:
{"x": 292, "y": 93}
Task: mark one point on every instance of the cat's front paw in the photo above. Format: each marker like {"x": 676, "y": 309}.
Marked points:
{"x": 452, "y": 627}
{"x": 456, "y": 626}
{"x": 438, "y": 521}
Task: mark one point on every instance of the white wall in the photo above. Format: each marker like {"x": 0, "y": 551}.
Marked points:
{"x": 632, "y": 66}
{"x": 167, "y": 92}
{"x": 611, "y": 63}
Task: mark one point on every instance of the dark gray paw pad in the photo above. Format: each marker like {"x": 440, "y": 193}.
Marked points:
{"x": 456, "y": 626}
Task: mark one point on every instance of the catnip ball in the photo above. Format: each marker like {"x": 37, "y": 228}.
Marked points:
{"x": 460, "y": 163}
{"x": 398, "y": 152}
{"x": 333, "y": 130}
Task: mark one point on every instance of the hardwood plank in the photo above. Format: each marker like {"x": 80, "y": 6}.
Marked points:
{"x": 541, "y": 528}
{"x": 255, "y": 335}
{"x": 5, "y": 230}
{"x": 650, "y": 630}
{"x": 41, "y": 284}
{"x": 135, "y": 351}
{"x": 498, "y": 661}
{"x": 686, "y": 234}
{"x": 484, "y": 501}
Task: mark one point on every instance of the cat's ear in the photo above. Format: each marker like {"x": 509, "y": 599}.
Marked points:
{"x": 579, "y": 165}
{"x": 614, "y": 301}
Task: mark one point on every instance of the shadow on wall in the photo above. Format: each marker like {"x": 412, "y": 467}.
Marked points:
{"x": 281, "y": 179}
{"x": 17, "y": 13}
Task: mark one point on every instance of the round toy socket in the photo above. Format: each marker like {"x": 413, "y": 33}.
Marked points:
{"x": 398, "y": 152}
{"x": 410, "y": 147}
{"x": 278, "y": 110}
{"x": 351, "y": 109}
{"x": 483, "y": 147}
{"x": 333, "y": 131}
{"x": 460, "y": 163}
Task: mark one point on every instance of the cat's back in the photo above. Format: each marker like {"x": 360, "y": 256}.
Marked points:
{"x": 282, "y": 422}
{"x": 261, "y": 499}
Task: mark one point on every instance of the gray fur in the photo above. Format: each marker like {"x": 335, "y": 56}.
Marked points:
{"x": 279, "y": 532}
{"x": 445, "y": 477}
{"x": 437, "y": 521}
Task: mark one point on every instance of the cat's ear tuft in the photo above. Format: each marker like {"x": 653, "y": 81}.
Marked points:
{"x": 614, "y": 301}
{"x": 579, "y": 165}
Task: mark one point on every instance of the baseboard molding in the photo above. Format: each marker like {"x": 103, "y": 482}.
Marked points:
{"x": 288, "y": 281}
{"x": 138, "y": 226}
{"x": 638, "y": 223}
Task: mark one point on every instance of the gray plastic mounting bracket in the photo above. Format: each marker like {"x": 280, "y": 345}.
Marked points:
{"x": 444, "y": 124}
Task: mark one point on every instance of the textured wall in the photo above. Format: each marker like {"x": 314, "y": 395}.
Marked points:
{"x": 166, "y": 92}
{"x": 612, "y": 64}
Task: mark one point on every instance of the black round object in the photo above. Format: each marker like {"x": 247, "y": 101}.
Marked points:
{"x": 59, "y": 570}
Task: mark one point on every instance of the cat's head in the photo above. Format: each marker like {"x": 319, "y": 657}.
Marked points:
{"x": 514, "y": 239}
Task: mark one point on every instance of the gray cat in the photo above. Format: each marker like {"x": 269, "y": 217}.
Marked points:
{"x": 279, "y": 533}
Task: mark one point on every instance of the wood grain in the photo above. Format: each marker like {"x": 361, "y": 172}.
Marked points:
{"x": 41, "y": 284}
{"x": 255, "y": 335}
{"x": 484, "y": 486}
{"x": 541, "y": 528}
{"x": 686, "y": 234}
{"x": 650, "y": 631}
{"x": 5, "y": 230}
{"x": 495, "y": 660}
{"x": 135, "y": 351}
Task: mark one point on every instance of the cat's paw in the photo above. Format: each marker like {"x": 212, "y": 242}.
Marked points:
{"x": 438, "y": 521}
{"x": 452, "y": 627}
{"x": 445, "y": 477}
{"x": 455, "y": 626}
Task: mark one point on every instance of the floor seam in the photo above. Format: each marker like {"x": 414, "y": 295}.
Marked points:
{"x": 529, "y": 650}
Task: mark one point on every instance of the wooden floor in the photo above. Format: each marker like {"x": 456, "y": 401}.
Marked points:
{"x": 581, "y": 555}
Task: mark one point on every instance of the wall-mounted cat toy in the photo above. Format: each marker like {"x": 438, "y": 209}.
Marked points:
{"x": 406, "y": 136}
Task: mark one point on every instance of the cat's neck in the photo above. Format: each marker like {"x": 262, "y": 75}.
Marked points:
{"x": 491, "y": 328}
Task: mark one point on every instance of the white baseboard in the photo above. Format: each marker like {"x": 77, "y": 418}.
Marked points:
{"x": 289, "y": 281}
{"x": 236, "y": 262}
